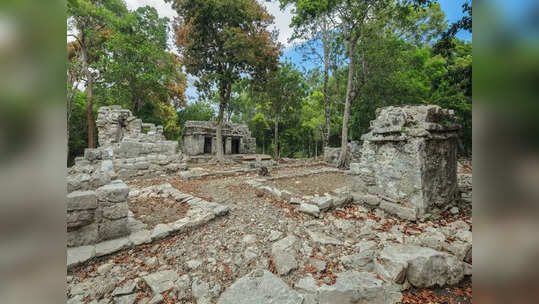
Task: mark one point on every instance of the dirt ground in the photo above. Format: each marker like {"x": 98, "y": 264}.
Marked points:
{"x": 315, "y": 184}
{"x": 153, "y": 211}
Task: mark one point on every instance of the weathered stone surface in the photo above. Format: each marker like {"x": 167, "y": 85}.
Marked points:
{"x": 322, "y": 202}
{"x": 353, "y": 287}
{"x": 284, "y": 255}
{"x": 309, "y": 209}
{"x": 110, "y": 246}
{"x": 399, "y": 210}
{"x": 114, "y": 211}
{"x": 161, "y": 281}
{"x": 140, "y": 237}
{"x": 409, "y": 156}
{"x": 77, "y": 255}
{"x": 322, "y": 238}
{"x": 111, "y": 229}
{"x": 368, "y": 199}
{"x": 307, "y": 284}
{"x": 160, "y": 231}
{"x": 422, "y": 267}
{"x": 198, "y": 137}
{"x": 81, "y": 200}
{"x": 117, "y": 191}
{"x": 85, "y": 235}
{"x": 261, "y": 287}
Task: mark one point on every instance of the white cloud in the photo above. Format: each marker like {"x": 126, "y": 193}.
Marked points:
{"x": 282, "y": 20}
{"x": 163, "y": 9}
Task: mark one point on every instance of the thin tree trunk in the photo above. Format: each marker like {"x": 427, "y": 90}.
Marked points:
{"x": 219, "y": 128}
{"x": 276, "y": 139}
{"x": 89, "y": 101}
{"x": 341, "y": 163}
{"x": 325, "y": 43}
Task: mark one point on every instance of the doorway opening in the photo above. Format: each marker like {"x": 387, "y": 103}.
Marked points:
{"x": 207, "y": 144}
{"x": 235, "y": 146}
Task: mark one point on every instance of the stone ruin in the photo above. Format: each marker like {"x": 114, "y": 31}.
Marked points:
{"x": 97, "y": 207}
{"x": 408, "y": 163}
{"x": 199, "y": 137}
{"x": 96, "y": 201}
{"x": 139, "y": 149}
{"x": 331, "y": 155}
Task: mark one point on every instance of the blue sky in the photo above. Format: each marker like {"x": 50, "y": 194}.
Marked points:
{"x": 451, "y": 8}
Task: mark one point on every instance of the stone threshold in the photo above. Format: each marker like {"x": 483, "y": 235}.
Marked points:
{"x": 200, "y": 212}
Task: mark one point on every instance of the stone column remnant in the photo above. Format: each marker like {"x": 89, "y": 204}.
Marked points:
{"x": 409, "y": 160}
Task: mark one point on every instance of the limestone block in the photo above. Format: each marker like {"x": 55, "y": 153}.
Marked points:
{"x": 110, "y": 229}
{"x": 84, "y": 235}
{"x": 78, "y": 218}
{"x": 117, "y": 191}
{"x": 81, "y": 200}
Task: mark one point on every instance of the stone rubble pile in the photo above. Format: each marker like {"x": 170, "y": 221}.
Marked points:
{"x": 331, "y": 155}
{"x": 139, "y": 149}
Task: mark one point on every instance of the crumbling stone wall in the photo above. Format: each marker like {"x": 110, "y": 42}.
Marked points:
{"x": 138, "y": 149}
{"x": 96, "y": 201}
{"x": 196, "y": 133}
{"x": 408, "y": 162}
{"x": 331, "y": 155}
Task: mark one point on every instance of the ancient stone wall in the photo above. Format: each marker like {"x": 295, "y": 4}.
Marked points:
{"x": 331, "y": 155}
{"x": 96, "y": 200}
{"x": 139, "y": 149}
{"x": 199, "y": 137}
{"x": 408, "y": 160}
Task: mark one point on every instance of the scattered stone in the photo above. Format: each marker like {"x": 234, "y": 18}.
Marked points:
{"x": 77, "y": 255}
{"x": 250, "y": 254}
{"x": 317, "y": 264}
{"x": 274, "y": 235}
{"x": 454, "y": 210}
{"x": 201, "y": 291}
{"x": 127, "y": 299}
{"x": 160, "y": 231}
{"x": 110, "y": 246}
{"x": 127, "y": 288}
{"x": 323, "y": 238}
{"x": 104, "y": 268}
{"x": 193, "y": 264}
{"x": 284, "y": 255}
{"x": 309, "y": 209}
{"x": 261, "y": 287}
{"x": 249, "y": 239}
{"x": 161, "y": 281}
{"x": 157, "y": 299}
{"x": 307, "y": 284}
{"x": 151, "y": 262}
{"x": 140, "y": 237}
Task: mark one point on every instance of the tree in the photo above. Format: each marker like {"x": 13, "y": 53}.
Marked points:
{"x": 222, "y": 41}
{"x": 259, "y": 127}
{"x": 139, "y": 69}
{"x": 285, "y": 89}
{"x": 93, "y": 21}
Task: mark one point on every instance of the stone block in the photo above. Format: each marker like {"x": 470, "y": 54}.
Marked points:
{"x": 117, "y": 191}
{"x": 81, "y": 200}
{"x": 399, "y": 210}
{"x": 78, "y": 218}
{"x": 111, "y": 229}
{"x": 113, "y": 211}
{"x": 84, "y": 235}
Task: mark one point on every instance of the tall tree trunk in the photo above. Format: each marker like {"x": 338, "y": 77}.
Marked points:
{"x": 219, "y": 128}
{"x": 341, "y": 163}
{"x": 325, "y": 42}
{"x": 89, "y": 93}
{"x": 276, "y": 155}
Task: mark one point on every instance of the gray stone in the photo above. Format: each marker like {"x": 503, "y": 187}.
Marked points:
{"x": 322, "y": 202}
{"x": 284, "y": 255}
{"x": 368, "y": 199}
{"x": 193, "y": 264}
{"x": 104, "y": 268}
{"x": 201, "y": 291}
{"x": 274, "y": 235}
{"x": 454, "y": 210}
{"x": 309, "y": 209}
{"x": 140, "y": 237}
{"x": 307, "y": 284}
{"x": 249, "y": 239}
{"x": 317, "y": 264}
{"x": 322, "y": 238}
{"x": 110, "y": 246}
{"x": 160, "y": 231}
{"x": 114, "y": 211}
{"x": 125, "y": 289}
{"x": 261, "y": 287}
{"x": 161, "y": 281}
{"x": 85, "y": 235}
{"x": 116, "y": 191}
{"x": 110, "y": 229}
{"x": 353, "y": 287}
{"x": 157, "y": 299}
{"x": 81, "y": 200}
{"x": 399, "y": 210}
{"x": 127, "y": 299}
{"x": 78, "y": 255}
{"x": 250, "y": 254}
{"x": 422, "y": 267}
{"x": 183, "y": 284}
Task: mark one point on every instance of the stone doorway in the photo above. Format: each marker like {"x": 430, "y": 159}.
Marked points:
{"x": 235, "y": 146}
{"x": 207, "y": 144}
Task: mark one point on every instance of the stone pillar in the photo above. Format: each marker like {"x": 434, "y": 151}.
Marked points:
{"x": 228, "y": 145}
{"x": 409, "y": 160}
{"x": 112, "y": 210}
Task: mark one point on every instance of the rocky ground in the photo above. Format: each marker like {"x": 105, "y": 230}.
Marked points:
{"x": 305, "y": 260}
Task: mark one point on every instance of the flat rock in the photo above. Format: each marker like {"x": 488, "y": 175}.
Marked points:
{"x": 161, "y": 281}
{"x": 274, "y": 235}
{"x": 322, "y": 202}
{"x": 260, "y": 287}
{"x": 141, "y": 237}
{"x": 309, "y": 209}
{"x": 160, "y": 231}
{"x": 322, "y": 238}
{"x": 422, "y": 267}
{"x": 77, "y": 255}
{"x": 284, "y": 255}
{"x": 110, "y": 246}
{"x": 353, "y": 287}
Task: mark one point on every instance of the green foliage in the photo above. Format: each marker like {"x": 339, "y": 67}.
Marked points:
{"x": 78, "y": 131}
{"x": 199, "y": 110}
